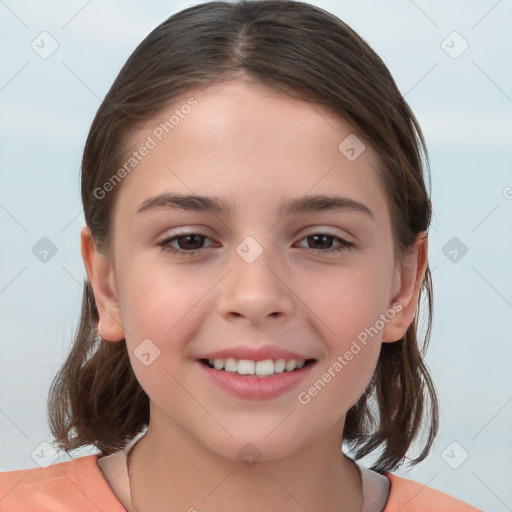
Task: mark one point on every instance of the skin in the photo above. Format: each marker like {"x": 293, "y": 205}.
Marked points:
{"x": 255, "y": 147}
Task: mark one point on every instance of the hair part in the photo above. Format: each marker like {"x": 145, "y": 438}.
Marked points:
{"x": 308, "y": 53}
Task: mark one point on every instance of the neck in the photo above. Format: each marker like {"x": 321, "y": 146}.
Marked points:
{"x": 167, "y": 468}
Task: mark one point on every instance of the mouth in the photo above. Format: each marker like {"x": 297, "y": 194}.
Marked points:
{"x": 257, "y": 369}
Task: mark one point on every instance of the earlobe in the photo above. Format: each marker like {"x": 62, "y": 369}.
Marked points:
{"x": 410, "y": 277}
{"x": 101, "y": 276}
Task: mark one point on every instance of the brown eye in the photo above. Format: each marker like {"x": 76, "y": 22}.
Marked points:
{"x": 323, "y": 243}
{"x": 190, "y": 242}
{"x": 186, "y": 244}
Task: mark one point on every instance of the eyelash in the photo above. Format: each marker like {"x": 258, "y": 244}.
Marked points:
{"x": 165, "y": 244}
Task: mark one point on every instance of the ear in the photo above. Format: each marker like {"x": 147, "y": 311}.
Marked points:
{"x": 407, "y": 284}
{"x": 101, "y": 276}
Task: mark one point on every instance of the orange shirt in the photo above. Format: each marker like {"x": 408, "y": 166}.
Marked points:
{"x": 79, "y": 486}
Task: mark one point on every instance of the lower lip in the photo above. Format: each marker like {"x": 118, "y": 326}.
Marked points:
{"x": 256, "y": 388}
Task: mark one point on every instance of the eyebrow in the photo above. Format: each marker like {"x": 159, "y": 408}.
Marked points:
{"x": 214, "y": 204}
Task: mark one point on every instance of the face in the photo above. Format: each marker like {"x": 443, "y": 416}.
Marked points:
{"x": 252, "y": 281}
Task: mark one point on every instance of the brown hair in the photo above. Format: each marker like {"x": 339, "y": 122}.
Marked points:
{"x": 310, "y": 54}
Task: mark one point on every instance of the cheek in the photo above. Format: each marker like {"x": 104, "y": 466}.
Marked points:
{"x": 349, "y": 302}
{"x": 159, "y": 304}
{"x": 339, "y": 384}
{"x": 158, "y": 299}
{"x": 347, "y": 299}
{"x": 161, "y": 307}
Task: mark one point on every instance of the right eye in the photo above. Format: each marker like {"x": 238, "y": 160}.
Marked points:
{"x": 188, "y": 243}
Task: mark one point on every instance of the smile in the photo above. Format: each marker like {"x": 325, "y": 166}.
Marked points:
{"x": 256, "y": 380}
{"x": 256, "y": 368}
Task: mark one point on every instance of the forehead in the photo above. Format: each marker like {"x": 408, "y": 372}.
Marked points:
{"x": 244, "y": 140}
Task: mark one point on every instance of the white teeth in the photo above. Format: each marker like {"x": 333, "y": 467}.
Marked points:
{"x": 291, "y": 365}
{"x": 231, "y": 365}
{"x": 264, "y": 367}
{"x": 279, "y": 366}
{"x": 248, "y": 367}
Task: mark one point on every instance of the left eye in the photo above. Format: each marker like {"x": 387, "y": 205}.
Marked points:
{"x": 191, "y": 243}
{"x": 324, "y": 238}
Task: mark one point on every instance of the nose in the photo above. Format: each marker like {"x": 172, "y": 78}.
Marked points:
{"x": 256, "y": 290}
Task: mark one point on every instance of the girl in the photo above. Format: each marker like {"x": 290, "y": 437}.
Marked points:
{"x": 256, "y": 252}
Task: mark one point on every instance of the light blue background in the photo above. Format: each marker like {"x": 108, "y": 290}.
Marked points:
{"x": 464, "y": 106}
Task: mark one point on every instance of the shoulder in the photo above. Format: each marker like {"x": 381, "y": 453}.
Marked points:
{"x": 410, "y": 496}
{"x": 77, "y": 485}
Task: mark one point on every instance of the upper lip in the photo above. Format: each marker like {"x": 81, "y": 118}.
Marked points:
{"x": 255, "y": 353}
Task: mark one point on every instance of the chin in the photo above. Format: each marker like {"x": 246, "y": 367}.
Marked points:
{"x": 250, "y": 448}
